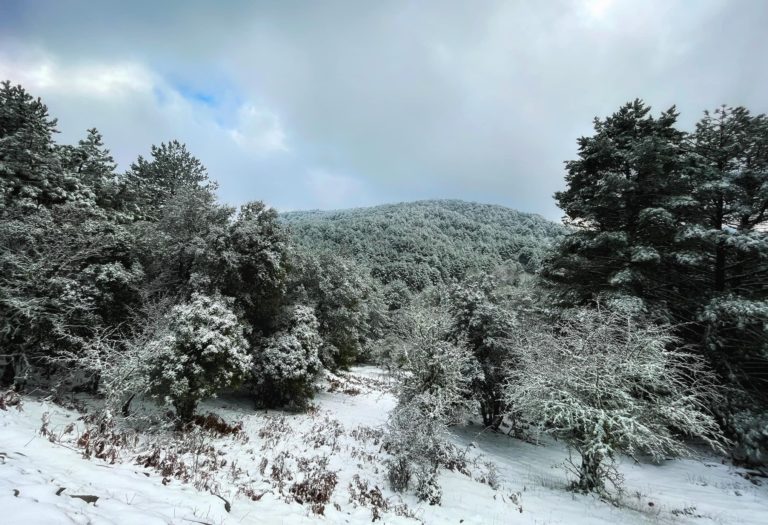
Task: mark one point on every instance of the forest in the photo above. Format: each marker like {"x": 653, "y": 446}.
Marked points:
{"x": 637, "y": 328}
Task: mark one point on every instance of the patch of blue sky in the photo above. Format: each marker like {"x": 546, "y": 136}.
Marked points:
{"x": 198, "y": 96}
{"x": 219, "y": 97}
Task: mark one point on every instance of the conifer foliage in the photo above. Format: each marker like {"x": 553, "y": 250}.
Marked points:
{"x": 89, "y": 253}
{"x": 677, "y": 223}
{"x": 200, "y": 350}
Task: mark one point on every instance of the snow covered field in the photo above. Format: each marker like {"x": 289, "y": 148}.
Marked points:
{"x": 40, "y": 480}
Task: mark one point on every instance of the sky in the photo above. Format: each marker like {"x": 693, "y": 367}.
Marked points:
{"x": 330, "y": 104}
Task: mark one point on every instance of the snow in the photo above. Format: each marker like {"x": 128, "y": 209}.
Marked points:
{"x": 681, "y": 491}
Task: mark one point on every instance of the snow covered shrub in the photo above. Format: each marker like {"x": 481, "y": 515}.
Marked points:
{"x": 189, "y": 457}
{"x": 66, "y": 274}
{"x": 606, "y": 383}
{"x": 433, "y": 393}
{"x": 360, "y": 493}
{"x": 416, "y": 441}
{"x": 118, "y": 369}
{"x": 201, "y": 352}
{"x": 104, "y": 440}
{"x": 429, "y": 364}
{"x": 427, "y": 487}
{"x": 487, "y": 314}
{"x": 441, "y": 372}
{"x": 10, "y": 398}
{"x": 286, "y": 365}
{"x": 750, "y": 430}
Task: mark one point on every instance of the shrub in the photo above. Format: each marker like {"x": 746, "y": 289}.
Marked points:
{"x": 433, "y": 393}
{"x": 287, "y": 363}
{"x": 201, "y": 351}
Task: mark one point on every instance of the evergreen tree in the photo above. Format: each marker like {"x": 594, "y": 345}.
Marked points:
{"x": 486, "y": 326}
{"x": 30, "y": 167}
{"x": 65, "y": 274}
{"x": 677, "y": 224}
{"x": 177, "y": 249}
{"x": 732, "y": 191}
{"x": 91, "y": 162}
{"x": 345, "y": 301}
{"x": 730, "y": 235}
{"x": 249, "y": 262}
{"x": 199, "y": 351}
{"x": 150, "y": 184}
{"x": 622, "y": 200}
{"x": 287, "y": 362}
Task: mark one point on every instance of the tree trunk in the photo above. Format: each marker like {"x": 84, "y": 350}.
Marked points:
{"x": 719, "y": 249}
{"x": 491, "y": 410}
{"x": 185, "y": 410}
{"x": 126, "y": 409}
{"x": 9, "y": 374}
{"x": 589, "y": 472}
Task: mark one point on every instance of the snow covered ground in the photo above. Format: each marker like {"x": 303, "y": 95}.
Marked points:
{"x": 256, "y": 470}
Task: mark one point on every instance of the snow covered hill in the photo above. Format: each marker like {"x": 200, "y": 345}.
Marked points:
{"x": 260, "y": 474}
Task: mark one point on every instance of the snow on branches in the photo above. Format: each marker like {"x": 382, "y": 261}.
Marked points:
{"x": 201, "y": 351}
{"x": 606, "y": 383}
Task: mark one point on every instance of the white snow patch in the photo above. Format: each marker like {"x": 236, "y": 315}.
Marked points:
{"x": 33, "y": 470}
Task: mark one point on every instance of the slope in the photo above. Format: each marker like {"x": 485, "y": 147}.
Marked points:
{"x": 426, "y": 242}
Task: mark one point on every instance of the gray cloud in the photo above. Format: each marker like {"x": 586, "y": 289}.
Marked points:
{"x": 388, "y": 100}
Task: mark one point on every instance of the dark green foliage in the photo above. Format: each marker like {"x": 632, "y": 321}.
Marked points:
{"x": 64, "y": 274}
{"x": 731, "y": 190}
{"x": 427, "y": 242}
{"x": 250, "y": 264}
{"x": 486, "y": 326}
{"x": 178, "y": 249}
{"x": 94, "y": 168}
{"x": 622, "y": 199}
{"x": 397, "y": 295}
{"x": 87, "y": 253}
{"x": 288, "y": 361}
{"x": 199, "y": 349}
{"x": 676, "y": 224}
{"x": 345, "y": 301}
{"x": 150, "y": 184}
{"x": 731, "y": 238}
{"x": 489, "y": 314}
{"x": 30, "y": 167}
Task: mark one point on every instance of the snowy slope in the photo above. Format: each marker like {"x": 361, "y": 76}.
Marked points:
{"x": 341, "y": 431}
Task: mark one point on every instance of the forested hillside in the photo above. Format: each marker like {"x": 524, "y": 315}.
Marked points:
{"x": 428, "y": 242}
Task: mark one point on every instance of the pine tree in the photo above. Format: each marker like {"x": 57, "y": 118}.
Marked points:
{"x": 678, "y": 224}
{"x": 150, "y": 184}
{"x": 730, "y": 233}
{"x": 179, "y": 249}
{"x": 91, "y": 162}
{"x": 30, "y": 168}
{"x": 621, "y": 201}
{"x": 732, "y": 190}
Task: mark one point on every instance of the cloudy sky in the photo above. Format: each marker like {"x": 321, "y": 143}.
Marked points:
{"x": 339, "y": 104}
